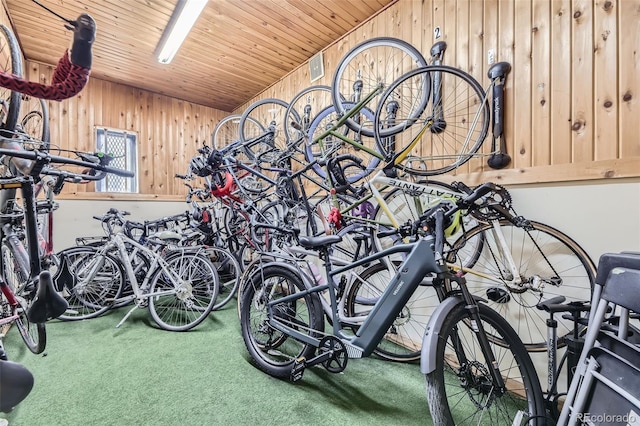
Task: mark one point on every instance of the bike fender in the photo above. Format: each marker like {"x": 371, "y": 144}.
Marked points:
{"x": 430, "y": 339}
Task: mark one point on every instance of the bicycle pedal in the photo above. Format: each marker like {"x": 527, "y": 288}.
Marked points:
{"x": 297, "y": 371}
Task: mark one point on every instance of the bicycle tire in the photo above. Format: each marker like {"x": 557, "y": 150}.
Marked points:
{"x": 188, "y": 305}
{"x": 539, "y": 251}
{"x": 265, "y": 112}
{"x": 373, "y": 62}
{"x": 35, "y": 122}
{"x": 95, "y": 291}
{"x": 229, "y": 272}
{"x": 33, "y": 335}
{"x": 316, "y": 152}
{"x": 227, "y": 131}
{"x": 302, "y": 109}
{"x": 13, "y": 64}
{"x": 403, "y": 340}
{"x": 272, "y": 351}
{"x": 458, "y": 383}
{"x": 441, "y": 135}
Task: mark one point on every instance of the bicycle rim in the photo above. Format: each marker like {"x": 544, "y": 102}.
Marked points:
{"x": 229, "y": 273}
{"x": 10, "y": 51}
{"x": 373, "y": 63}
{"x": 183, "y": 298}
{"x": 227, "y": 130}
{"x": 99, "y": 282}
{"x": 548, "y": 263}
{"x": 273, "y": 351}
{"x": 302, "y": 109}
{"x": 332, "y": 146}
{"x": 461, "y": 391}
{"x": 439, "y": 136}
{"x": 34, "y": 122}
{"x": 403, "y": 340}
{"x": 33, "y": 335}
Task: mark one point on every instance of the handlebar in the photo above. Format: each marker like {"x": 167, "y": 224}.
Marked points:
{"x": 39, "y": 159}
{"x": 434, "y": 220}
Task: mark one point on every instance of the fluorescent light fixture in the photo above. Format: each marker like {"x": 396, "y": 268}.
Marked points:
{"x": 184, "y": 16}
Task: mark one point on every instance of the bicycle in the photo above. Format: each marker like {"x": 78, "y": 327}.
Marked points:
{"x": 512, "y": 262}
{"x": 70, "y": 76}
{"x": 179, "y": 288}
{"x": 283, "y": 327}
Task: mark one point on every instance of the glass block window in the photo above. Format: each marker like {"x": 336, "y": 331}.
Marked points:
{"x": 123, "y": 146}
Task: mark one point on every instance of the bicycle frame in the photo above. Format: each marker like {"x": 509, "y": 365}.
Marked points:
{"x": 381, "y": 182}
{"x": 419, "y": 263}
{"x": 32, "y": 257}
{"x": 309, "y": 268}
{"x": 140, "y": 293}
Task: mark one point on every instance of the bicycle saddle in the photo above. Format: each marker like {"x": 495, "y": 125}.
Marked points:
{"x": 16, "y": 383}
{"x": 319, "y": 242}
{"x": 48, "y": 304}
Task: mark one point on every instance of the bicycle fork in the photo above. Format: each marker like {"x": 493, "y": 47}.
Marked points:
{"x": 428, "y": 357}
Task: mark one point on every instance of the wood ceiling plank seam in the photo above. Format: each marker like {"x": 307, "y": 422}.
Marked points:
{"x": 265, "y": 41}
{"x": 252, "y": 14}
{"x": 333, "y": 31}
{"x": 235, "y": 51}
{"x": 322, "y": 8}
{"x": 299, "y": 25}
{"x": 348, "y": 11}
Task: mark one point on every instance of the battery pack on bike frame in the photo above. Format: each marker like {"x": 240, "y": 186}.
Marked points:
{"x": 418, "y": 264}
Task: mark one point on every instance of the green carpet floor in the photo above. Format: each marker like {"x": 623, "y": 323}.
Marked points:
{"x": 94, "y": 374}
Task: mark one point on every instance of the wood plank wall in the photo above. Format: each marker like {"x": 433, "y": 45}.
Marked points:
{"x": 572, "y": 98}
{"x": 572, "y": 103}
{"x": 169, "y": 130}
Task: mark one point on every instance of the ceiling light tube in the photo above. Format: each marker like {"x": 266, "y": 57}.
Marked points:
{"x": 184, "y": 16}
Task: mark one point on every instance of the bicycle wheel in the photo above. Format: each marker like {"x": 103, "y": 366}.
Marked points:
{"x": 302, "y": 110}
{"x": 318, "y": 149}
{"x": 34, "y": 122}
{"x": 33, "y": 335}
{"x": 460, "y": 390}
{"x": 403, "y": 341}
{"x": 272, "y": 351}
{"x": 269, "y": 114}
{"x": 548, "y": 263}
{"x": 99, "y": 279}
{"x": 11, "y": 63}
{"x": 229, "y": 272}
{"x": 287, "y": 214}
{"x": 182, "y": 299}
{"x": 368, "y": 68}
{"x": 227, "y": 130}
{"x": 439, "y": 136}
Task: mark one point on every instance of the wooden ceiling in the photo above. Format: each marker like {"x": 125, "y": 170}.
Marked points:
{"x": 236, "y": 49}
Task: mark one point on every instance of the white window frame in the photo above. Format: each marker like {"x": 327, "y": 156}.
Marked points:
{"x": 128, "y": 162}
